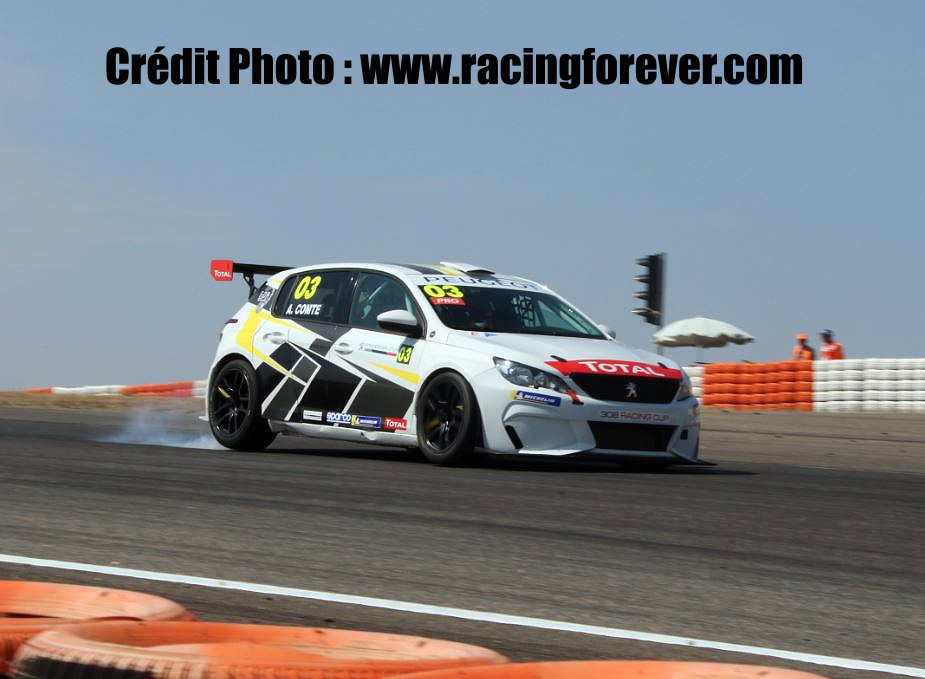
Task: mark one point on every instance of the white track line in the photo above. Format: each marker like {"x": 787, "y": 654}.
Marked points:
{"x": 466, "y": 614}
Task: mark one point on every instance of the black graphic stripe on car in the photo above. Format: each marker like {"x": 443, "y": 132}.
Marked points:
{"x": 321, "y": 346}
{"x": 330, "y": 388}
{"x": 283, "y": 399}
{"x": 305, "y": 369}
{"x": 286, "y": 356}
{"x": 268, "y": 377}
{"x": 382, "y": 399}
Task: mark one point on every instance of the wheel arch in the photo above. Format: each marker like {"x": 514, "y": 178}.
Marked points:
{"x": 253, "y": 431}
{"x": 222, "y": 362}
{"x": 480, "y": 435}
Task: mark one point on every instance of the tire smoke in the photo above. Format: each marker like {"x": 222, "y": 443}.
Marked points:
{"x": 150, "y": 427}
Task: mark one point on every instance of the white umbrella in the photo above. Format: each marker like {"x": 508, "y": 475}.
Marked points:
{"x": 700, "y": 332}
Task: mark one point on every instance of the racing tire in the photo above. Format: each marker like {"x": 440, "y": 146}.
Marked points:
{"x": 234, "y": 408}
{"x": 447, "y": 420}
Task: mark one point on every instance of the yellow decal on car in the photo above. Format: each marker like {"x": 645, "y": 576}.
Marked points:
{"x": 398, "y": 372}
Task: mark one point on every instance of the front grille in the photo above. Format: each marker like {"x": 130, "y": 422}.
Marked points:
{"x": 619, "y": 436}
{"x": 617, "y": 388}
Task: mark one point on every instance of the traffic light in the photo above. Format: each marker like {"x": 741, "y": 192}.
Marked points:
{"x": 652, "y": 296}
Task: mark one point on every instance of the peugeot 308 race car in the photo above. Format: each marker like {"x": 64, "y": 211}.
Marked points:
{"x": 442, "y": 358}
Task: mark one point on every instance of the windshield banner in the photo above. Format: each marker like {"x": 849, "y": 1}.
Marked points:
{"x": 477, "y": 281}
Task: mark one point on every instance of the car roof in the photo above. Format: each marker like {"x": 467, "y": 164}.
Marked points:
{"x": 404, "y": 270}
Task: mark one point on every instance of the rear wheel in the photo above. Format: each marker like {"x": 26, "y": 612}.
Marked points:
{"x": 234, "y": 408}
{"x": 447, "y": 418}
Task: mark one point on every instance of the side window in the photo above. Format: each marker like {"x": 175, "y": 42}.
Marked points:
{"x": 375, "y": 293}
{"x": 315, "y": 296}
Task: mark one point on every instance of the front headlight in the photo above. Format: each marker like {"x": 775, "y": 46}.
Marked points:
{"x": 525, "y": 376}
{"x": 686, "y": 390}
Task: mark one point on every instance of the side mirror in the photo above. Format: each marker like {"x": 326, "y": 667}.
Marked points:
{"x": 606, "y": 330}
{"x": 399, "y": 320}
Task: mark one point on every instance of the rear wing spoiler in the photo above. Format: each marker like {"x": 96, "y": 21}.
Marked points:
{"x": 225, "y": 269}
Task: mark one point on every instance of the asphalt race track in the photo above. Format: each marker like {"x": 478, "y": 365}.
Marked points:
{"x": 808, "y": 536}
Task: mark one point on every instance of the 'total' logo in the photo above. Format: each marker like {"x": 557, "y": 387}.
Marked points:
{"x": 396, "y": 424}
{"x": 609, "y": 367}
{"x": 222, "y": 269}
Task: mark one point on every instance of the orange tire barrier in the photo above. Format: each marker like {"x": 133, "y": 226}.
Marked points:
{"x": 616, "y": 669}
{"x": 28, "y": 608}
{"x": 165, "y": 389}
{"x": 182, "y": 389}
{"x": 780, "y": 385}
{"x": 180, "y": 650}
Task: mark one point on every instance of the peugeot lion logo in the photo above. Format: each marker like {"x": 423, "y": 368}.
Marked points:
{"x": 631, "y": 390}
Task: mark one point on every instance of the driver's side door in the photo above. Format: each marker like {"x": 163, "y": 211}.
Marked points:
{"x": 389, "y": 361}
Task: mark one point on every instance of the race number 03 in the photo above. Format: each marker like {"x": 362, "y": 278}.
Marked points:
{"x": 307, "y": 287}
{"x": 404, "y": 353}
{"x": 443, "y": 291}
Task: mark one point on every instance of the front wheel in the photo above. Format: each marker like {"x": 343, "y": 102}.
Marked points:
{"x": 234, "y": 408}
{"x": 447, "y": 418}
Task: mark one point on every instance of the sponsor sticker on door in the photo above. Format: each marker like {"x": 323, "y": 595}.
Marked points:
{"x": 367, "y": 421}
{"x": 312, "y": 415}
{"x": 396, "y": 424}
{"x": 337, "y": 418}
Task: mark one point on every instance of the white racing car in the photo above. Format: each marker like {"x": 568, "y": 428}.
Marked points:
{"x": 444, "y": 358}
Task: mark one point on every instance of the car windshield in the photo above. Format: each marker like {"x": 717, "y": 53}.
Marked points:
{"x": 499, "y": 310}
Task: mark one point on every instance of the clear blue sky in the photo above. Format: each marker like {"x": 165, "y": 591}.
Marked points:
{"x": 781, "y": 208}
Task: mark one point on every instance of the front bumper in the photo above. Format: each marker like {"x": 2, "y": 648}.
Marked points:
{"x": 521, "y": 420}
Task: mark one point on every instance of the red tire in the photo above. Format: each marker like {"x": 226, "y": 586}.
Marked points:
{"x": 29, "y": 608}
{"x": 180, "y": 650}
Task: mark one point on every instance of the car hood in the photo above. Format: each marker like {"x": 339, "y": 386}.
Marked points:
{"x": 539, "y": 350}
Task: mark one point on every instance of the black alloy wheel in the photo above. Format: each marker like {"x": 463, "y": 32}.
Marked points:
{"x": 230, "y": 401}
{"x": 447, "y": 419}
{"x": 234, "y": 408}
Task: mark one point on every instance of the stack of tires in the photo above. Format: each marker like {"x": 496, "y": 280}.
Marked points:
{"x": 29, "y": 608}
{"x": 178, "y": 650}
{"x": 838, "y": 386}
{"x": 50, "y": 631}
{"x": 781, "y": 385}
{"x": 695, "y": 372}
{"x": 616, "y": 669}
{"x": 870, "y": 384}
